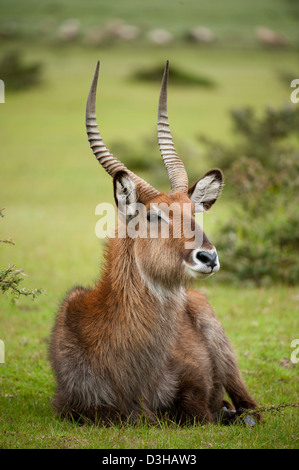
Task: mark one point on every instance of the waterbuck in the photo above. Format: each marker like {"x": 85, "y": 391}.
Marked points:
{"x": 140, "y": 343}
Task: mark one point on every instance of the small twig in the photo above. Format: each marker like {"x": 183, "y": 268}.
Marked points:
{"x": 9, "y": 240}
{"x": 10, "y": 279}
{"x": 271, "y": 409}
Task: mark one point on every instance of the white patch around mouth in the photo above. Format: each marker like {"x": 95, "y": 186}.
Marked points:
{"x": 200, "y": 270}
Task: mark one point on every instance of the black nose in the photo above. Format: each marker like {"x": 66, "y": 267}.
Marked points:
{"x": 209, "y": 259}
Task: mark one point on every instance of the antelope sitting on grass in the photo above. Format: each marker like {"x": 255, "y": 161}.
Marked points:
{"x": 140, "y": 343}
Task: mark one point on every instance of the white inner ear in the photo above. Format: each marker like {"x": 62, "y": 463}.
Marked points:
{"x": 207, "y": 189}
{"x": 126, "y": 196}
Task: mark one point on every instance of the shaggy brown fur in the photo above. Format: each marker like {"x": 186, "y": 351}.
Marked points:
{"x": 141, "y": 343}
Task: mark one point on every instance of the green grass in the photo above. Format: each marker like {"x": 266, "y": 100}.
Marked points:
{"x": 50, "y": 186}
{"x": 233, "y": 21}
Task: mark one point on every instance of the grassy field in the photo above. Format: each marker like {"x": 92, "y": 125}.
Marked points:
{"x": 51, "y": 185}
{"x": 232, "y": 22}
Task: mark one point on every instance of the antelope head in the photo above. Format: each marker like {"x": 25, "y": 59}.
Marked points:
{"x": 186, "y": 251}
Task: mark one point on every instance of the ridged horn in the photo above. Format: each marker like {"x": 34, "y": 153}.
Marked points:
{"x": 111, "y": 164}
{"x": 175, "y": 167}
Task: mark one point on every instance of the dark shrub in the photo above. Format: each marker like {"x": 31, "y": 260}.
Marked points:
{"x": 260, "y": 241}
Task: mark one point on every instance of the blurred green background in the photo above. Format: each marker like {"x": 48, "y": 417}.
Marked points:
{"x": 233, "y": 55}
{"x": 222, "y": 56}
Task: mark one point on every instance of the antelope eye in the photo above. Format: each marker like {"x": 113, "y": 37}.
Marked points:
{"x": 153, "y": 217}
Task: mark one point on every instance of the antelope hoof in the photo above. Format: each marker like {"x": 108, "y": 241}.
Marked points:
{"x": 246, "y": 420}
{"x": 226, "y": 416}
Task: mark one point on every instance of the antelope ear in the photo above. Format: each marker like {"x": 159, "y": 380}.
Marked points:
{"x": 206, "y": 190}
{"x": 125, "y": 193}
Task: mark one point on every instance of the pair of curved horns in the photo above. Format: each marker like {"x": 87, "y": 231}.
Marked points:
{"x": 175, "y": 168}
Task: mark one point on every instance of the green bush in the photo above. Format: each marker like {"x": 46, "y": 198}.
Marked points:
{"x": 178, "y": 76}
{"x": 11, "y": 277}
{"x": 259, "y": 243}
{"x": 16, "y": 74}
